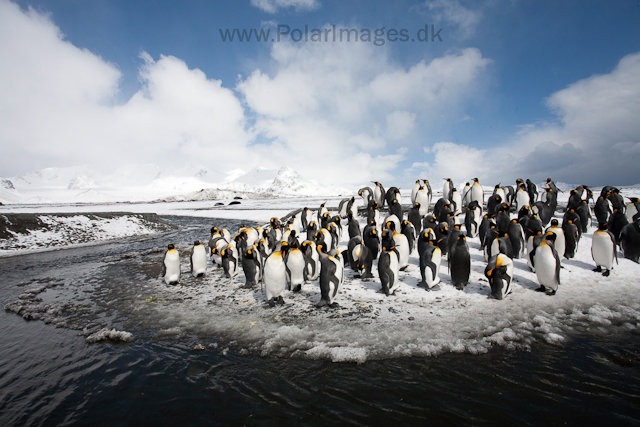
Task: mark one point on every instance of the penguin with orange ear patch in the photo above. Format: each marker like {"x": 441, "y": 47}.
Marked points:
{"x": 499, "y": 271}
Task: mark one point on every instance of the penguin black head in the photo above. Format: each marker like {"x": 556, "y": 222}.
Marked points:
{"x": 554, "y": 222}
{"x": 461, "y": 237}
{"x": 550, "y": 236}
{"x": 196, "y": 243}
{"x": 170, "y": 246}
{"x": 603, "y": 226}
{"x": 214, "y": 229}
{"x": 417, "y": 205}
{"x": 475, "y": 180}
{"x": 390, "y": 225}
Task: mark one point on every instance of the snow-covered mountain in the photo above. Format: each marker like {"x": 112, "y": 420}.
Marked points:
{"x": 148, "y": 182}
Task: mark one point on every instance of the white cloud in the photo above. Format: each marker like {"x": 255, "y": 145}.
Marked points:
{"x": 326, "y": 102}
{"x": 272, "y": 6}
{"x": 453, "y": 12}
{"x": 597, "y": 138}
{"x": 58, "y": 105}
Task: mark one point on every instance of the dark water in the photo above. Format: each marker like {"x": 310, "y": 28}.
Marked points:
{"x": 51, "y": 376}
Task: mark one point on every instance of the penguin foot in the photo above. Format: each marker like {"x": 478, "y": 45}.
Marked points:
{"x": 404, "y": 268}
{"x": 272, "y": 303}
{"x": 598, "y": 269}
{"x": 280, "y": 300}
{"x": 322, "y": 303}
{"x": 433, "y": 288}
{"x": 606, "y": 273}
{"x": 541, "y": 289}
{"x": 459, "y": 287}
{"x": 551, "y": 293}
{"x": 298, "y": 288}
{"x": 334, "y": 305}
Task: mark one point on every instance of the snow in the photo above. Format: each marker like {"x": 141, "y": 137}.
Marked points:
{"x": 368, "y": 325}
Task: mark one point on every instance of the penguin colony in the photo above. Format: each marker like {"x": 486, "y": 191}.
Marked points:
{"x": 512, "y": 223}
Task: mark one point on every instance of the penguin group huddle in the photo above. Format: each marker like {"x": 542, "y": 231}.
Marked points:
{"x": 275, "y": 256}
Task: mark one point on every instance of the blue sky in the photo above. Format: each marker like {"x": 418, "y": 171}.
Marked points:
{"x": 515, "y": 89}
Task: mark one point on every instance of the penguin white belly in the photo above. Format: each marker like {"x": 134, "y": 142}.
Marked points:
{"x": 630, "y": 212}
{"x": 394, "y": 266}
{"x": 394, "y": 219}
{"x": 546, "y": 267}
{"x": 402, "y": 245}
{"x": 414, "y": 191}
{"x": 198, "y": 260}
{"x": 274, "y": 276}
{"x": 522, "y": 199}
{"x": 172, "y": 266}
{"x": 252, "y": 237}
{"x": 422, "y": 197}
{"x": 477, "y": 193}
{"x": 529, "y": 250}
{"x": 602, "y": 249}
{"x": 560, "y": 244}
{"x": 500, "y": 192}
{"x": 295, "y": 265}
{"x": 457, "y": 199}
{"x": 431, "y": 278}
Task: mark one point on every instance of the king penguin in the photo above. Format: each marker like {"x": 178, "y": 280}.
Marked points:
{"x": 430, "y": 260}
{"x": 630, "y": 241}
{"x": 499, "y": 271}
{"x": 603, "y": 250}
{"x": 295, "y": 264}
{"x": 198, "y": 259}
{"x": 559, "y": 244}
{"x": 331, "y": 277}
{"x": 547, "y": 265}
{"x": 460, "y": 263}
{"x": 275, "y": 277}
{"x": 171, "y": 266}
{"x": 388, "y": 270}
{"x": 477, "y": 192}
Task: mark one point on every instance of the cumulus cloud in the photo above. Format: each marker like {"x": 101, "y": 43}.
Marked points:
{"x": 272, "y": 6}
{"x": 58, "y": 105}
{"x": 597, "y": 137}
{"x": 324, "y": 106}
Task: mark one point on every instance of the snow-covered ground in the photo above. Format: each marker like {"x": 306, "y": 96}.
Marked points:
{"x": 369, "y": 325}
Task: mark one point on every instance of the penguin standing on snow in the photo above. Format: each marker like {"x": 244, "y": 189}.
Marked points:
{"x": 353, "y": 226}
{"x": 603, "y": 249}
{"x": 477, "y": 192}
{"x": 275, "y": 277}
{"x": 499, "y": 271}
{"x": 388, "y": 270}
{"x": 366, "y": 194}
{"x": 559, "y": 243}
{"x": 363, "y": 260}
{"x": 312, "y": 258}
{"x": 371, "y": 239}
{"x": 229, "y": 261}
{"x": 603, "y": 209}
{"x": 252, "y": 267}
{"x": 630, "y": 241}
{"x": 415, "y": 218}
{"x": 633, "y": 209}
{"x": 516, "y": 235}
{"x": 379, "y": 194}
{"x": 447, "y": 189}
{"x": 331, "y": 276}
{"x": 423, "y": 197}
{"x": 198, "y": 259}
{"x": 547, "y": 265}
{"x": 460, "y": 263}
{"x": 571, "y": 238}
{"x": 430, "y": 260}
{"x": 295, "y": 264}
{"x": 472, "y": 219}
{"x": 171, "y": 266}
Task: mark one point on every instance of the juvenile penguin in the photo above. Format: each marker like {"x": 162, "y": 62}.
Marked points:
{"x": 630, "y": 241}
{"x": 603, "y": 250}
{"x": 275, "y": 277}
{"x": 430, "y": 260}
{"x": 460, "y": 263}
{"x": 198, "y": 259}
{"x": 499, "y": 271}
{"x": 388, "y": 270}
{"x": 547, "y": 265}
{"x": 331, "y": 277}
{"x": 295, "y": 264}
{"x": 171, "y": 266}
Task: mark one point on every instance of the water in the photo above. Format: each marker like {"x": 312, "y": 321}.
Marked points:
{"x": 51, "y": 376}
